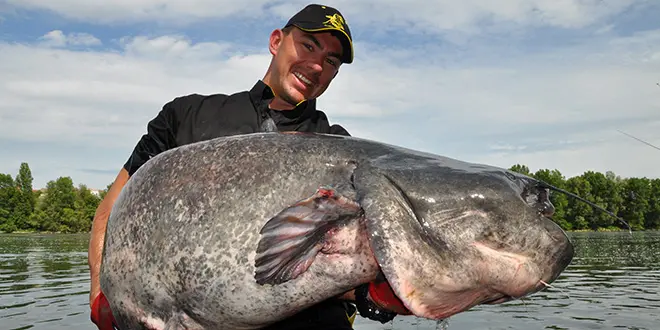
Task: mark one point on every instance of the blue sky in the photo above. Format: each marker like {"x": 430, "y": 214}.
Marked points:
{"x": 540, "y": 82}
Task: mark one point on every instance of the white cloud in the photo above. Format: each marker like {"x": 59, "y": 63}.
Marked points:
{"x": 416, "y": 14}
{"x": 46, "y": 90}
{"x": 559, "y": 108}
{"x": 57, "y": 38}
{"x": 607, "y": 150}
{"x": 171, "y": 11}
{"x": 173, "y": 46}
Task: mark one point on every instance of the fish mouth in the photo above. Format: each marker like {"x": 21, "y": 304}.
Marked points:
{"x": 439, "y": 305}
{"x": 498, "y": 300}
{"x": 447, "y": 262}
{"x": 496, "y": 277}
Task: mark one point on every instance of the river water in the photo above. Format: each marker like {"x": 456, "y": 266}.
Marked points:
{"x": 613, "y": 283}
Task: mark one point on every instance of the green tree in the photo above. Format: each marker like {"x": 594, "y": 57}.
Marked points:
{"x": 8, "y": 194}
{"x": 578, "y": 212}
{"x": 604, "y": 192}
{"x": 652, "y": 216}
{"x": 85, "y": 207}
{"x": 25, "y": 199}
{"x": 58, "y": 205}
{"x": 636, "y": 193}
{"x": 522, "y": 169}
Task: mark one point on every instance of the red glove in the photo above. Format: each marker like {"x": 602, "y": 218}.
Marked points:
{"x": 381, "y": 293}
{"x": 101, "y": 313}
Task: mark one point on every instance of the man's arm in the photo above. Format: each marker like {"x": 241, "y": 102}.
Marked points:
{"x": 160, "y": 136}
{"x": 98, "y": 232}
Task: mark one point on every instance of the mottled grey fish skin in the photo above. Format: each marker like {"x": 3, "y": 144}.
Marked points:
{"x": 182, "y": 235}
{"x": 454, "y": 235}
{"x": 181, "y": 240}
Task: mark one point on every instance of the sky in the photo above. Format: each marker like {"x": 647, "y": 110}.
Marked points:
{"x": 545, "y": 83}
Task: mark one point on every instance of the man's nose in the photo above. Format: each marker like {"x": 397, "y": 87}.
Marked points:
{"x": 317, "y": 65}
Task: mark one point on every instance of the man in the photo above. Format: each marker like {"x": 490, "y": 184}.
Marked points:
{"x": 306, "y": 56}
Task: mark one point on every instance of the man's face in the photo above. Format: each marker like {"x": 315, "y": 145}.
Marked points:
{"x": 304, "y": 63}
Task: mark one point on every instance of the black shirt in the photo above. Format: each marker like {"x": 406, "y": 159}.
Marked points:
{"x": 193, "y": 118}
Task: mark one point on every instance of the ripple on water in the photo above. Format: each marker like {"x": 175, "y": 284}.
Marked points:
{"x": 611, "y": 284}
{"x": 44, "y": 282}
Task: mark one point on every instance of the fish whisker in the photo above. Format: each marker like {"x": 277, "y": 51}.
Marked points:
{"x": 547, "y": 285}
{"x": 522, "y": 299}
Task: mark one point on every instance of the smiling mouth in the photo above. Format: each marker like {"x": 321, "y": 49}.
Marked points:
{"x": 306, "y": 81}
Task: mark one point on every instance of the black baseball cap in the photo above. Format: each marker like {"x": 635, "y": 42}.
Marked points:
{"x": 320, "y": 18}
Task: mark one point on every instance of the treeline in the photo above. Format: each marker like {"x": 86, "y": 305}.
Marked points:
{"x": 635, "y": 200}
{"x": 60, "y": 207}
{"x": 63, "y": 207}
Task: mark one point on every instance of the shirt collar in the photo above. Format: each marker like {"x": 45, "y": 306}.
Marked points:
{"x": 261, "y": 92}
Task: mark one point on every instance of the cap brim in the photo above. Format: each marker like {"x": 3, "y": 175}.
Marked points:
{"x": 345, "y": 40}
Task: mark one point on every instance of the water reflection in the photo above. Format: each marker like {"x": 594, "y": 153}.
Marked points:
{"x": 44, "y": 282}
{"x": 613, "y": 283}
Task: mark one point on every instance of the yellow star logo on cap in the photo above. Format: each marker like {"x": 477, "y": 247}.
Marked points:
{"x": 335, "y": 21}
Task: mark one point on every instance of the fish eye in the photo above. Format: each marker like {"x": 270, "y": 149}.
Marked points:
{"x": 510, "y": 176}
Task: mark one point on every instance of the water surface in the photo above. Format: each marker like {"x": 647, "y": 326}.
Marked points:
{"x": 613, "y": 283}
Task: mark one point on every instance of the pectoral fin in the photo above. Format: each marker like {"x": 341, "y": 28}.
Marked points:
{"x": 291, "y": 240}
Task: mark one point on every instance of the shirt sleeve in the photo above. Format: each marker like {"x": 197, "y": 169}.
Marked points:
{"x": 338, "y": 130}
{"x": 160, "y": 136}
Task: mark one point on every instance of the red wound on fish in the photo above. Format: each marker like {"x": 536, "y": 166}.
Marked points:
{"x": 291, "y": 239}
{"x": 326, "y": 192}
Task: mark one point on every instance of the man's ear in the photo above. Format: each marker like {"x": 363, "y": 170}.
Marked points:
{"x": 276, "y": 38}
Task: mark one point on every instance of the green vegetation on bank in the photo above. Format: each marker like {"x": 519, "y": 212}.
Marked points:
{"x": 635, "y": 200}
{"x": 65, "y": 208}
{"x": 60, "y": 207}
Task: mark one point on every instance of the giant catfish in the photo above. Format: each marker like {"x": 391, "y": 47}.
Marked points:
{"x": 240, "y": 232}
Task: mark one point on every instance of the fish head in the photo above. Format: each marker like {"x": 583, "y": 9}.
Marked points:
{"x": 448, "y": 238}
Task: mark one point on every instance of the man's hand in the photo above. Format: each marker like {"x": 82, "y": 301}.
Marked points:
{"x": 376, "y": 300}
{"x": 381, "y": 294}
{"x": 101, "y": 314}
